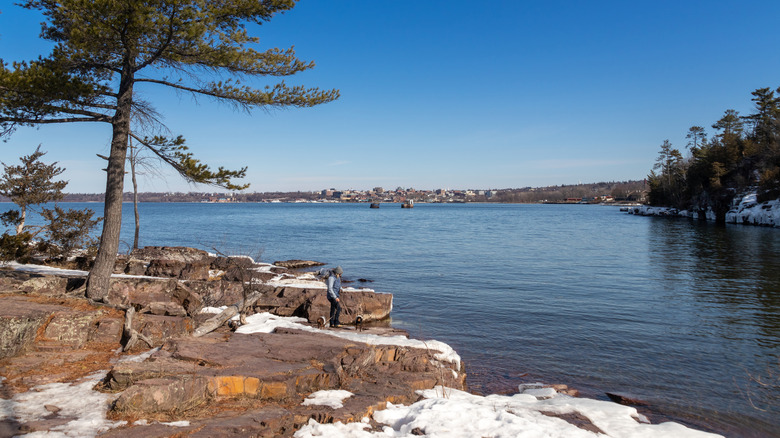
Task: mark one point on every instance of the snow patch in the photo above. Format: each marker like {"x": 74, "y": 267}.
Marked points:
{"x": 447, "y": 412}
{"x": 267, "y": 323}
{"x": 331, "y": 398}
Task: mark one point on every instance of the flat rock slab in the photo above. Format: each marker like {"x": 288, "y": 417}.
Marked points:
{"x": 272, "y": 373}
{"x": 298, "y": 264}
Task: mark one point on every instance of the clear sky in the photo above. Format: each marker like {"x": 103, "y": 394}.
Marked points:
{"x": 455, "y": 94}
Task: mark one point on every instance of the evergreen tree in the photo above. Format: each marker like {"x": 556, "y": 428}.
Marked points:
{"x": 742, "y": 155}
{"x": 765, "y": 136}
{"x": 29, "y": 184}
{"x": 106, "y": 50}
{"x": 697, "y": 138}
{"x": 666, "y": 187}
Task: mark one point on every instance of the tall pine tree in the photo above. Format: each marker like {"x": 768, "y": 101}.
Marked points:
{"x": 105, "y": 50}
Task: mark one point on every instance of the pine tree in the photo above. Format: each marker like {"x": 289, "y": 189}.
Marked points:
{"x": 29, "y": 184}
{"x": 106, "y": 50}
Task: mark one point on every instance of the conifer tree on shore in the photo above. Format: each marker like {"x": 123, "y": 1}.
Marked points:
{"x": 30, "y": 185}
{"x": 106, "y": 50}
{"x": 743, "y": 154}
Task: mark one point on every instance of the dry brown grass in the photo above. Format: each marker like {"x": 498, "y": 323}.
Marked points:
{"x": 65, "y": 364}
{"x": 79, "y": 304}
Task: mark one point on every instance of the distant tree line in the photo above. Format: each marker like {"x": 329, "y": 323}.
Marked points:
{"x": 619, "y": 190}
{"x": 742, "y": 155}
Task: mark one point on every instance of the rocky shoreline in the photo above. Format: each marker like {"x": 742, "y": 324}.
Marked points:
{"x": 224, "y": 383}
{"x": 138, "y": 364}
{"x": 745, "y": 212}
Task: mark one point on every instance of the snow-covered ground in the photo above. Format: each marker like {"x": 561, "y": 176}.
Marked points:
{"x": 49, "y": 270}
{"x": 77, "y": 402}
{"x": 267, "y": 323}
{"x": 747, "y": 211}
{"x": 451, "y": 413}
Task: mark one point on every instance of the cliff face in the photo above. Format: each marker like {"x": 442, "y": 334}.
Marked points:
{"x": 224, "y": 383}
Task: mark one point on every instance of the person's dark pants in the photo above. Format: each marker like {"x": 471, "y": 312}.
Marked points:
{"x": 335, "y": 312}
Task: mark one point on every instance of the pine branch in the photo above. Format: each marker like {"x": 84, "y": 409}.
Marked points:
{"x": 278, "y": 96}
{"x": 174, "y": 153}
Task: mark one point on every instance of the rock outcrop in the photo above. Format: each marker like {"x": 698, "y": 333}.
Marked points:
{"x": 313, "y": 303}
{"x": 195, "y": 373}
{"x": 225, "y": 383}
{"x": 297, "y": 264}
{"x": 175, "y": 281}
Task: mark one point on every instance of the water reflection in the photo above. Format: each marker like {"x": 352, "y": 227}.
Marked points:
{"x": 732, "y": 278}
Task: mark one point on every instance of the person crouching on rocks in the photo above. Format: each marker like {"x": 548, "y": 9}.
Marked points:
{"x": 333, "y": 280}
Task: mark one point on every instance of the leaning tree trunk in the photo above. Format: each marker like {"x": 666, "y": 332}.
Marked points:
{"x": 100, "y": 276}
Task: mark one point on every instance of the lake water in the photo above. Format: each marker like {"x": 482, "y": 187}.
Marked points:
{"x": 682, "y": 315}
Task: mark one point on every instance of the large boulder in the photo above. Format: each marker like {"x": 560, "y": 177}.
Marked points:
{"x": 72, "y": 328}
{"x": 140, "y": 291}
{"x": 217, "y": 293}
{"x": 165, "y": 268}
{"x": 163, "y": 261}
{"x": 169, "y": 395}
{"x": 12, "y": 281}
{"x": 313, "y": 303}
{"x": 159, "y": 328}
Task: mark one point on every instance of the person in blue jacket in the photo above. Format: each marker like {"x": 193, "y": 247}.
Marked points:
{"x": 333, "y": 281}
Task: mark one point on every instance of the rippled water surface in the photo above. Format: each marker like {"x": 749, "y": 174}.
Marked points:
{"x": 683, "y": 315}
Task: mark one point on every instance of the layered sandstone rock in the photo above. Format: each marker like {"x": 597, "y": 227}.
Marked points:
{"x": 225, "y": 383}
{"x": 230, "y": 384}
{"x": 194, "y": 373}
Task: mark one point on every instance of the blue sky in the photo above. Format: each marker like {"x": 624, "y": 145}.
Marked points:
{"x": 456, "y": 94}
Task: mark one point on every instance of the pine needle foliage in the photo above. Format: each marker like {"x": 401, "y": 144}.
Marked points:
{"x": 30, "y": 186}
{"x": 106, "y": 49}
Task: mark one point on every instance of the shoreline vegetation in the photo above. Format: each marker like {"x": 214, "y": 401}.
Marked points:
{"x": 354, "y": 381}
{"x": 624, "y": 191}
{"x": 741, "y": 159}
{"x": 746, "y": 212}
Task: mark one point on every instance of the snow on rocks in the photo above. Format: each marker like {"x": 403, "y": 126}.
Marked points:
{"x": 452, "y": 413}
{"x": 82, "y": 411}
{"x": 267, "y": 323}
{"x": 332, "y": 398}
{"x": 746, "y": 212}
{"x": 64, "y": 409}
{"x": 749, "y": 212}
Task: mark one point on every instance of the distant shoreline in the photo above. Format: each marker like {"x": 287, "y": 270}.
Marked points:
{"x": 607, "y": 204}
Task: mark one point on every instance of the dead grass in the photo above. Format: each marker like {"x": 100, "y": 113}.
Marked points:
{"x": 65, "y": 364}
{"x": 79, "y": 304}
{"x": 55, "y": 368}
